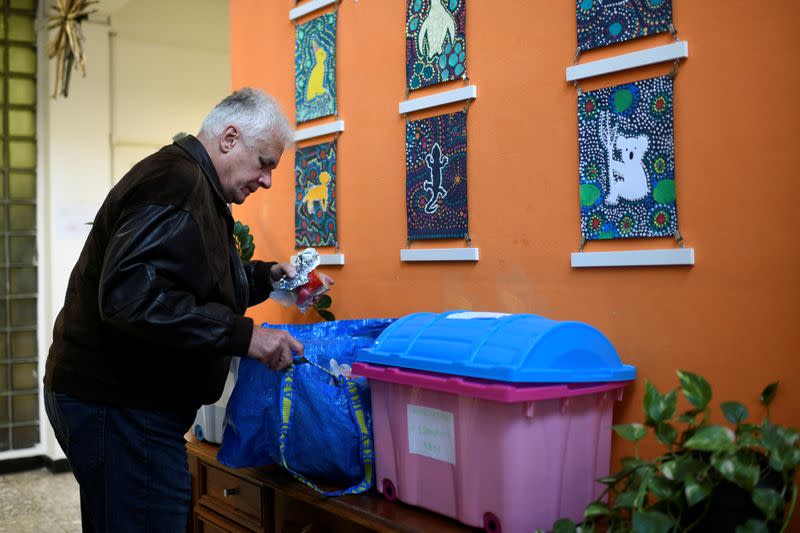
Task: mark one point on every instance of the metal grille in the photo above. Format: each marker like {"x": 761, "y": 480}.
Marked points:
{"x": 19, "y": 396}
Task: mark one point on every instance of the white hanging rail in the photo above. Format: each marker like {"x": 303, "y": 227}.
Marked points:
{"x": 670, "y": 257}
{"x": 469, "y": 92}
{"x": 305, "y": 9}
{"x": 440, "y": 254}
{"x": 319, "y": 131}
{"x": 329, "y": 259}
{"x": 659, "y": 54}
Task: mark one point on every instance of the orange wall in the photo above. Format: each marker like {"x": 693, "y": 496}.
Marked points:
{"x": 732, "y": 317}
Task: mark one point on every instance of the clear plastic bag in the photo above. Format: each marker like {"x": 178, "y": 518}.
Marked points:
{"x": 307, "y": 285}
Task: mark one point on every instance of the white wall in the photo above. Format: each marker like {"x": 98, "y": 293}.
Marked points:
{"x": 170, "y": 65}
{"x": 73, "y": 178}
{"x": 153, "y": 68}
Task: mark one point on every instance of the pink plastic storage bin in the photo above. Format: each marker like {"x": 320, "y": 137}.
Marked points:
{"x": 509, "y": 458}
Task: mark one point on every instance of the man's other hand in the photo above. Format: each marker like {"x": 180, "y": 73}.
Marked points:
{"x": 278, "y": 270}
{"x": 274, "y": 348}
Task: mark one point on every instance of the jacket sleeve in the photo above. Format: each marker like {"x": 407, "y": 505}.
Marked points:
{"x": 155, "y": 282}
{"x": 258, "y": 280}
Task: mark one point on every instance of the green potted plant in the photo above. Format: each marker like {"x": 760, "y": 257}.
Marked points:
{"x": 738, "y": 477}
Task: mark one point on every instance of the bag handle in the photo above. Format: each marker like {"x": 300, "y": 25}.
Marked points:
{"x": 366, "y": 450}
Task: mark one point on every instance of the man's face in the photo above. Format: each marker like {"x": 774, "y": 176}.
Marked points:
{"x": 249, "y": 165}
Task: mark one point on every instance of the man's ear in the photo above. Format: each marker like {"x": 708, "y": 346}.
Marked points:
{"x": 230, "y": 135}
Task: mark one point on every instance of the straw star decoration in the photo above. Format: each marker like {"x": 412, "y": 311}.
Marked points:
{"x": 67, "y": 47}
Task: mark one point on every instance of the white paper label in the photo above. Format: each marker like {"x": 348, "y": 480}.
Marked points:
{"x": 74, "y": 221}
{"x": 431, "y": 433}
{"x": 469, "y": 315}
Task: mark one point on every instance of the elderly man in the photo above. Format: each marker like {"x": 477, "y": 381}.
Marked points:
{"x": 155, "y": 309}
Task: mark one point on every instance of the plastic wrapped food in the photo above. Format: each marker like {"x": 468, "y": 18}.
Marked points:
{"x": 307, "y": 285}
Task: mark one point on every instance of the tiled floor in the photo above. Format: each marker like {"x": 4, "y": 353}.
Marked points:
{"x": 38, "y": 501}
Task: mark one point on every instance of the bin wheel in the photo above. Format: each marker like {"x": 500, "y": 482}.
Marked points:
{"x": 491, "y": 524}
{"x": 389, "y": 490}
{"x": 198, "y": 432}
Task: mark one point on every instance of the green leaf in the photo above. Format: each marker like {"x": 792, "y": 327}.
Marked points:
{"x": 696, "y": 492}
{"x": 641, "y": 496}
{"x": 324, "y": 302}
{"x": 735, "y": 412}
{"x": 670, "y": 470}
{"x": 794, "y": 458}
{"x": 711, "y": 439}
{"x": 768, "y": 500}
{"x": 771, "y": 437}
{"x": 595, "y": 509}
{"x": 651, "y": 400}
{"x": 651, "y": 522}
{"x": 747, "y": 440}
{"x": 746, "y": 428}
{"x": 625, "y": 499}
{"x": 695, "y": 389}
{"x": 734, "y": 470}
{"x": 777, "y": 462}
{"x": 769, "y": 393}
{"x": 666, "y": 433}
{"x": 662, "y": 487}
{"x": 659, "y": 408}
{"x": 670, "y": 404}
{"x": 788, "y": 435}
{"x": 610, "y": 480}
{"x": 244, "y": 241}
{"x": 633, "y": 432}
{"x": 564, "y": 526}
{"x": 753, "y": 526}
{"x": 689, "y": 416}
{"x": 630, "y": 463}
{"x": 688, "y": 467}
{"x": 326, "y": 315}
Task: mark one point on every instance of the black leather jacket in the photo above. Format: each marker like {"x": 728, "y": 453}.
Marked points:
{"x": 154, "y": 306}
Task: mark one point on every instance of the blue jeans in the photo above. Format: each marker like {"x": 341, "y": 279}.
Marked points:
{"x": 131, "y": 464}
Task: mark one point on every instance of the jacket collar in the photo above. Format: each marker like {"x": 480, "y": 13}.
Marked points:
{"x": 192, "y": 146}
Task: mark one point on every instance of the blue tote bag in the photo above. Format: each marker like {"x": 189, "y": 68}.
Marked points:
{"x": 315, "y": 426}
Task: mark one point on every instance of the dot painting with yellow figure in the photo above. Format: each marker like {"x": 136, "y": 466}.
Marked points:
{"x": 315, "y": 68}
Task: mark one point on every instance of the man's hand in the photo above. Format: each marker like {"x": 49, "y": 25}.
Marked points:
{"x": 277, "y": 271}
{"x": 273, "y": 347}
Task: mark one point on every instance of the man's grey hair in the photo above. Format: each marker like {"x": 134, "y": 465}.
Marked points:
{"x": 254, "y": 112}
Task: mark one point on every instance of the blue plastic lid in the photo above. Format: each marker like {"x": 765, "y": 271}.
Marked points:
{"x": 515, "y": 348}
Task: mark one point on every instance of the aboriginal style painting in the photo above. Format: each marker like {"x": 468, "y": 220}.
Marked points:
{"x": 315, "y": 195}
{"x": 604, "y": 22}
{"x": 315, "y": 68}
{"x": 627, "y": 161}
{"x": 436, "y": 43}
{"x": 436, "y": 177}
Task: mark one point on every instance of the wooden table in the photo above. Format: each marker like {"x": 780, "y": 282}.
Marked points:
{"x": 268, "y": 500}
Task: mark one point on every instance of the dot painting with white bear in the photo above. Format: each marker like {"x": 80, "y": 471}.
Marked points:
{"x": 627, "y": 161}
